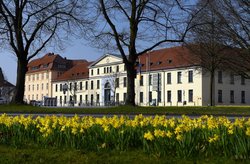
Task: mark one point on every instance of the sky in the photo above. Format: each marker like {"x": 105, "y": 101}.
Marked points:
{"x": 78, "y": 49}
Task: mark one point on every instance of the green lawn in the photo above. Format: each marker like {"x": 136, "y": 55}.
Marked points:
{"x": 220, "y": 110}
{"x": 34, "y": 154}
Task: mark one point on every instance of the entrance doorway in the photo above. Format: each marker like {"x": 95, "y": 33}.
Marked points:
{"x": 107, "y": 95}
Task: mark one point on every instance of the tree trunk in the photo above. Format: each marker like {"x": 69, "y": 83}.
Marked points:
{"x": 212, "y": 100}
{"x": 20, "y": 81}
{"x": 131, "y": 74}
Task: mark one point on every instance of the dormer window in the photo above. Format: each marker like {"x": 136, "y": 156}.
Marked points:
{"x": 35, "y": 68}
{"x": 151, "y": 63}
{"x": 169, "y": 61}
{"x": 45, "y": 65}
{"x": 73, "y": 74}
{"x": 159, "y": 62}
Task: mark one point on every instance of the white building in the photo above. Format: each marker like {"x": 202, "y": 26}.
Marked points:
{"x": 166, "y": 77}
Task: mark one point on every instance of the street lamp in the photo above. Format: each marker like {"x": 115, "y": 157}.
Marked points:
{"x": 65, "y": 88}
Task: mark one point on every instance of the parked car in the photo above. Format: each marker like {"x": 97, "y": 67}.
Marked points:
{"x": 3, "y": 100}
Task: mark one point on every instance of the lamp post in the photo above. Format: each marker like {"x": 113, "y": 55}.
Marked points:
{"x": 65, "y": 88}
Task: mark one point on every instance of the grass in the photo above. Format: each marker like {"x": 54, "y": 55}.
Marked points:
{"x": 33, "y": 154}
{"x": 219, "y": 110}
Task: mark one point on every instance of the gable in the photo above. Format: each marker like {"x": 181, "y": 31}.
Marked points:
{"x": 106, "y": 60}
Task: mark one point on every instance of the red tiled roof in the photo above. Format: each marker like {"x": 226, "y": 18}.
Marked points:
{"x": 46, "y": 62}
{"x": 168, "y": 58}
{"x": 78, "y": 71}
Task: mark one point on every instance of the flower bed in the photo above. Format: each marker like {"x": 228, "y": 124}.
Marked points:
{"x": 184, "y": 137}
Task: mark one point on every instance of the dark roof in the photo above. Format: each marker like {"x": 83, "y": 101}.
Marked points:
{"x": 3, "y": 82}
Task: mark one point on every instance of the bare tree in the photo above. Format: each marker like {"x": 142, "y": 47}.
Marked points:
{"x": 28, "y": 26}
{"x": 115, "y": 82}
{"x": 235, "y": 16}
{"x": 137, "y": 26}
{"x": 210, "y": 45}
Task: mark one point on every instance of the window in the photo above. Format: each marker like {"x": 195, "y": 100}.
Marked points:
{"x": 47, "y": 86}
{"x": 92, "y": 84}
{"x": 231, "y": 96}
{"x": 42, "y": 76}
{"x": 98, "y": 84}
{"x": 70, "y": 86}
{"x": 86, "y": 99}
{"x": 37, "y": 77}
{"x": 150, "y": 96}
{"x": 242, "y": 80}
{"x": 97, "y": 98}
{"x": 141, "y": 97}
{"x": 75, "y": 99}
{"x": 60, "y": 87}
{"x": 91, "y": 99}
{"x": 124, "y": 96}
{"x": 190, "y": 76}
{"x": 47, "y": 75}
{"x": 75, "y": 86}
{"x": 219, "y": 96}
{"x": 231, "y": 78}
{"x": 117, "y": 97}
{"x": 190, "y": 95}
{"x": 169, "y": 96}
{"x": 110, "y": 69}
{"x": 92, "y": 72}
{"x": 104, "y": 69}
{"x": 56, "y": 87}
{"x": 159, "y": 96}
{"x": 65, "y": 99}
{"x": 60, "y": 99}
{"x": 33, "y": 87}
{"x": 42, "y": 86}
{"x": 179, "y": 96}
{"x": 37, "y": 87}
{"x": 117, "y": 82}
{"x": 220, "y": 77}
{"x": 141, "y": 81}
{"x": 168, "y": 78}
{"x": 178, "y": 77}
{"x": 98, "y": 71}
{"x": 117, "y": 68}
{"x": 125, "y": 82}
{"x": 125, "y": 68}
{"x": 33, "y": 77}
{"x": 80, "y": 85}
{"x": 243, "y": 97}
{"x": 86, "y": 85}
{"x": 36, "y": 96}
{"x": 80, "y": 99}
{"x": 29, "y": 88}
{"x": 150, "y": 80}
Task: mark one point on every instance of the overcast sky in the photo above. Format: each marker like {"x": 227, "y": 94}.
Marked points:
{"x": 77, "y": 50}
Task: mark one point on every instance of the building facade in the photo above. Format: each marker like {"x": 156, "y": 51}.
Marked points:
{"x": 7, "y": 89}
{"x": 166, "y": 77}
{"x": 41, "y": 72}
